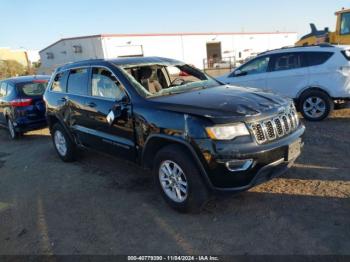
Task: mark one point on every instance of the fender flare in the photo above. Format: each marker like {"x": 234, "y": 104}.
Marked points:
{"x": 185, "y": 143}
{"x": 59, "y": 120}
{"x": 319, "y": 88}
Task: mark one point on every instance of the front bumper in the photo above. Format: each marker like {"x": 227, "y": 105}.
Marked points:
{"x": 270, "y": 160}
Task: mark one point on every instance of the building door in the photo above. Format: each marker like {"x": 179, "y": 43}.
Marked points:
{"x": 213, "y": 53}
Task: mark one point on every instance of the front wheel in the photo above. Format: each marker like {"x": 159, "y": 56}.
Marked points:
{"x": 179, "y": 180}
{"x": 315, "y": 105}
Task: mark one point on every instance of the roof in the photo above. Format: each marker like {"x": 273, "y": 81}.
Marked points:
{"x": 164, "y": 34}
{"x": 125, "y": 61}
{"x": 143, "y": 60}
{"x": 22, "y": 79}
{"x": 325, "y": 47}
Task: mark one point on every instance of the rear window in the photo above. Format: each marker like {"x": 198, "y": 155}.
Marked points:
{"x": 346, "y": 54}
{"x": 32, "y": 88}
{"x": 78, "y": 81}
{"x": 318, "y": 58}
{"x": 288, "y": 61}
{"x": 59, "y": 83}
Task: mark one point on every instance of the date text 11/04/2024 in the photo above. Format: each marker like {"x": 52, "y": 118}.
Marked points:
{"x": 173, "y": 258}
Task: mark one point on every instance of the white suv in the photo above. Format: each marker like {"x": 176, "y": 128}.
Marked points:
{"x": 316, "y": 77}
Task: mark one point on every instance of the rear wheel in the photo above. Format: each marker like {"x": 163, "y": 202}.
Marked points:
{"x": 179, "y": 180}
{"x": 315, "y": 105}
{"x": 64, "y": 146}
{"x": 12, "y": 132}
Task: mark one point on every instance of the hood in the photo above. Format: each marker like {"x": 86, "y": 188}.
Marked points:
{"x": 223, "y": 103}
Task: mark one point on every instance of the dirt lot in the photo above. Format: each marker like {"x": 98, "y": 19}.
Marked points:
{"x": 100, "y": 205}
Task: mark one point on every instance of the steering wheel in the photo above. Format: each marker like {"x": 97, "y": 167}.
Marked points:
{"x": 177, "y": 82}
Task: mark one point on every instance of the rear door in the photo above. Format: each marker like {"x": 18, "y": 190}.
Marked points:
{"x": 107, "y": 95}
{"x": 57, "y": 100}
{"x": 289, "y": 73}
{"x": 252, "y": 74}
{"x": 326, "y": 75}
{"x": 77, "y": 91}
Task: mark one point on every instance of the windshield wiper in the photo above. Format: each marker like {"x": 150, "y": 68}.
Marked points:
{"x": 180, "y": 91}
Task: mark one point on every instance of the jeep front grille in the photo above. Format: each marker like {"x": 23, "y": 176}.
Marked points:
{"x": 276, "y": 127}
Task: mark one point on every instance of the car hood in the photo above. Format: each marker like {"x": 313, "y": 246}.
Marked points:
{"x": 223, "y": 103}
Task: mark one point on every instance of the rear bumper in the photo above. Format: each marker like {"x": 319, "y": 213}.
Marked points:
{"x": 342, "y": 103}
{"x": 25, "y": 126}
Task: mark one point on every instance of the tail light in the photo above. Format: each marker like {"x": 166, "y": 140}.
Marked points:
{"x": 346, "y": 54}
{"x": 345, "y": 70}
{"x": 21, "y": 102}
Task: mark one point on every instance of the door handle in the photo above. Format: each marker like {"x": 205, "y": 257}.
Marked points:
{"x": 91, "y": 104}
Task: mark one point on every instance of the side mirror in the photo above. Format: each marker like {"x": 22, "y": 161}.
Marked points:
{"x": 118, "y": 111}
{"x": 240, "y": 73}
{"x": 114, "y": 114}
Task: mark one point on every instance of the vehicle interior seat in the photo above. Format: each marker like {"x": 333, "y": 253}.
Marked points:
{"x": 152, "y": 85}
{"x": 162, "y": 79}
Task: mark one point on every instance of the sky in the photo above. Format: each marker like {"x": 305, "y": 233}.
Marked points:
{"x": 35, "y": 24}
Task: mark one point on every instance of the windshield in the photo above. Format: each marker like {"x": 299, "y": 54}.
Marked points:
{"x": 154, "y": 80}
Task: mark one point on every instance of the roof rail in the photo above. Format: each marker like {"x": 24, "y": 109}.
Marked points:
{"x": 292, "y": 47}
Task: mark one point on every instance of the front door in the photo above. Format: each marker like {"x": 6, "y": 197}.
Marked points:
{"x": 108, "y": 119}
{"x": 252, "y": 74}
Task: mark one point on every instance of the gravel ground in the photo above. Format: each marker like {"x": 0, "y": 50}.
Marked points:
{"x": 101, "y": 205}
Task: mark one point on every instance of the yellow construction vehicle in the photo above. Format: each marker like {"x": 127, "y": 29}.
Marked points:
{"x": 341, "y": 36}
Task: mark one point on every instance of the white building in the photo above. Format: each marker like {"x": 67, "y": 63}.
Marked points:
{"x": 33, "y": 56}
{"x": 194, "y": 48}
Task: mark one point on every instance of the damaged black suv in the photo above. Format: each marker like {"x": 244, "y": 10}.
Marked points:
{"x": 196, "y": 134}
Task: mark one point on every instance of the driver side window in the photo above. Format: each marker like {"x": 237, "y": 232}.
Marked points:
{"x": 257, "y": 66}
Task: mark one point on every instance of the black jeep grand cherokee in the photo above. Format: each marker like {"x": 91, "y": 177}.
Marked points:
{"x": 197, "y": 135}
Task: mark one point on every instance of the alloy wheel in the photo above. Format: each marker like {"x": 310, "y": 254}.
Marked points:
{"x": 60, "y": 143}
{"x": 314, "y": 107}
{"x": 173, "y": 181}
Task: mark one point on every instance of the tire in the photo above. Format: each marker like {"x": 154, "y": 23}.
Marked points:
{"x": 62, "y": 143}
{"x": 195, "y": 194}
{"x": 315, "y": 105}
{"x": 12, "y": 132}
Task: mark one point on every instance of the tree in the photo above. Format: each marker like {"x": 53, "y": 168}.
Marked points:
{"x": 33, "y": 68}
{"x": 11, "y": 68}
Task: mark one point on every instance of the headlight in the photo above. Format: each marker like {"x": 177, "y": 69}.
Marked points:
{"x": 227, "y": 132}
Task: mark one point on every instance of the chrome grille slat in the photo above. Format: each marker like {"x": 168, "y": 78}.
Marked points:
{"x": 265, "y": 130}
{"x": 270, "y": 131}
{"x": 274, "y": 128}
{"x": 286, "y": 124}
{"x": 258, "y": 133}
{"x": 291, "y": 121}
{"x": 279, "y": 127}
